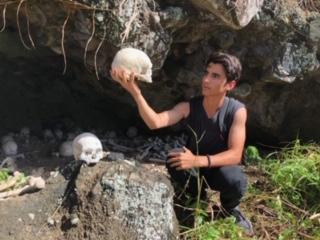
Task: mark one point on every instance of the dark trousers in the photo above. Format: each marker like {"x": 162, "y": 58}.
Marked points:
{"x": 230, "y": 181}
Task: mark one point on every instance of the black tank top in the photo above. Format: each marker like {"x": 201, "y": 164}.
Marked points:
{"x": 211, "y": 133}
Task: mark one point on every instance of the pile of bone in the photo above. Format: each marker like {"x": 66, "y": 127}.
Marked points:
{"x": 18, "y": 184}
{"x": 153, "y": 149}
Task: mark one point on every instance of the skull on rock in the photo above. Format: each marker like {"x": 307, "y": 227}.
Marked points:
{"x": 87, "y": 147}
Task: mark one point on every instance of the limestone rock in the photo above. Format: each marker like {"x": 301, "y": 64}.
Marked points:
{"x": 120, "y": 194}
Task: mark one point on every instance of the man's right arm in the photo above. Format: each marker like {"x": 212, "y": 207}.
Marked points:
{"x": 152, "y": 119}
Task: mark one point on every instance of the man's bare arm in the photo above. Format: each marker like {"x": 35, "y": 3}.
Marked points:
{"x": 236, "y": 140}
{"x": 151, "y": 118}
{"x": 158, "y": 120}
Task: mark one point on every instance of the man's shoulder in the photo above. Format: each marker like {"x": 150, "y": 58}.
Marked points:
{"x": 235, "y": 104}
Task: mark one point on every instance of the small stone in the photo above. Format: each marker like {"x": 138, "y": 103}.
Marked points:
{"x": 50, "y": 221}
{"x": 54, "y": 173}
{"x": 115, "y": 156}
{"x": 31, "y": 216}
{"x": 74, "y": 220}
{"x": 99, "y": 17}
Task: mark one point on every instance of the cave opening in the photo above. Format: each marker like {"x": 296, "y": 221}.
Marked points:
{"x": 35, "y": 94}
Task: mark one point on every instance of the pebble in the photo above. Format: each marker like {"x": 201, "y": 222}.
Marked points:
{"x": 74, "y": 220}
{"x": 31, "y": 216}
{"x": 50, "y": 221}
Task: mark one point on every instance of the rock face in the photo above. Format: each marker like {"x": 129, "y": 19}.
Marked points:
{"x": 118, "y": 200}
{"x": 276, "y": 41}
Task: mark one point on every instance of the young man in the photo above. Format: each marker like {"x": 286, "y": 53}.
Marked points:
{"x": 217, "y": 130}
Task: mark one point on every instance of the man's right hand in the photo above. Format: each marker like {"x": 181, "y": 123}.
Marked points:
{"x": 126, "y": 80}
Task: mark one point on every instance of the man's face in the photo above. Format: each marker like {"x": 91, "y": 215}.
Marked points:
{"x": 214, "y": 81}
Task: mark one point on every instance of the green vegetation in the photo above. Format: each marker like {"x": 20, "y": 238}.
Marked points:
{"x": 4, "y": 175}
{"x": 282, "y": 199}
{"x": 219, "y": 229}
{"x": 296, "y": 173}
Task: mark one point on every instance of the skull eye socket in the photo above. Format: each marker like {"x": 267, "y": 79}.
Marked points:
{"x": 88, "y": 153}
{"x": 99, "y": 150}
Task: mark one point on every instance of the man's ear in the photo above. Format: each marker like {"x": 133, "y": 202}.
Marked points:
{"x": 231, "y": 85}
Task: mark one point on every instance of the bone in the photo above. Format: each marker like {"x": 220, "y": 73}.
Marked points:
{"x": 157, "y": 160}
{"x": 9, "y": 163}
{"x": 144, "y": 153}
{"x": 315, "y": 216}
{"x": 117, "y": 147}
{"x": 132, "y": 59}
{"x": 11, "y": 182}
{"x": 34, "y": 183}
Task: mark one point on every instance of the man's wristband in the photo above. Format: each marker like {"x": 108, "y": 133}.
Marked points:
{"x": 209, "y": 161}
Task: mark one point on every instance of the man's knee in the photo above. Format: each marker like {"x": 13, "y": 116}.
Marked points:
{"x": 232, "y": 178}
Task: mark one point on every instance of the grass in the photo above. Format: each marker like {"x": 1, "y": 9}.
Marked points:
{"x": 296, "y": 173}
{"x": 282, "y": 199}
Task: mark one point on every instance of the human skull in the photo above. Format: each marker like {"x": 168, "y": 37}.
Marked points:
{"x": 132, "y": 59}
{"x": 87, "y": 147}
{"x": 9, "y": 146}
{"x": 65, "y": 149}
{"x": 6, "y": 138}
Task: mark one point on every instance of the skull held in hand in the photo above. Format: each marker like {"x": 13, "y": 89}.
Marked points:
{"x": 87, "y": 147}
{"x": 135, "y": 60}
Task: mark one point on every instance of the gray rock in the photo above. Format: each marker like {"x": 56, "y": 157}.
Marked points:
{"x": 236, "y": 14}
{"x": 130, "y": 201}
{"x": 294, "y": 61}
{"x": 142, "y": 200}
{"x": 115, "y": 156}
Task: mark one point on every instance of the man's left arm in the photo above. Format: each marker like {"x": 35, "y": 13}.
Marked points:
{"x": 232, "y": 156}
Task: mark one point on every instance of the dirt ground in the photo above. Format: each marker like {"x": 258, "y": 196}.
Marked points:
{"x": 25, "y": 217}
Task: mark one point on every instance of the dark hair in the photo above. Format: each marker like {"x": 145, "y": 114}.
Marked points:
{"x": 231, "y": 64}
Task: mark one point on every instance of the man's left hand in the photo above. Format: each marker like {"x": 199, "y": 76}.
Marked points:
{"x": 182, "y": 160}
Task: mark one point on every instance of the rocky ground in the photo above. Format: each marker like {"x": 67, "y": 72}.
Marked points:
{"x": 48, "y": 214}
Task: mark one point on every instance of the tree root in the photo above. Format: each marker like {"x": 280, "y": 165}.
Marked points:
{"x": 62, "y": 42}
{"x": 125, "y": 34}
{"x": 28, "y": 25}
{"x": 18, "y": 24}
{"x": 4, "y": 17}
{"x": 97, "y": 50}
{"x": 90, "y": 38}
